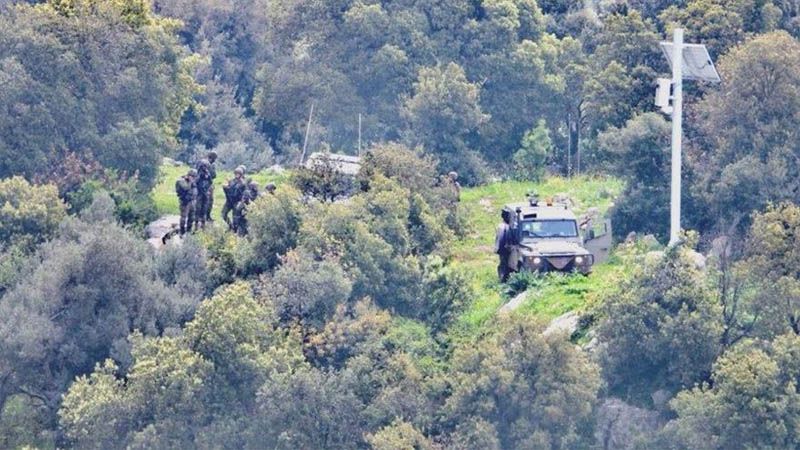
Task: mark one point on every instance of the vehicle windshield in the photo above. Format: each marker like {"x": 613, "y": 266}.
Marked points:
{"x": 549, "y": 229}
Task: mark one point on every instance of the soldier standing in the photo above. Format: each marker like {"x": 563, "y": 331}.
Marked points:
{"x": 252, "y": 187}
{"x": 205, "y": 191}
{"x": 240, "y": 214}
{"x": 233, "y": 194}
{"x": 186, "y": 190}
{"x": 502, "y": 243}
{"x": 452, "y": 179}
{"x": 212, "y": 158}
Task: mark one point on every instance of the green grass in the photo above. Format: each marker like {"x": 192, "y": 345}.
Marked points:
{"x": 167, "y": 202}
{"x": 558, "y": 294}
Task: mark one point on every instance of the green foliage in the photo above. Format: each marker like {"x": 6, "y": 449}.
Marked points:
{"x": 84, "y": 293}
{"x": 536, "y": 391}
{"x": 400, "y": 435}
{"x": 534, "y": 151}
{"x": 640, "y": 154}
{"x": 772, "y": 247}
{"x": 106, "y": 81}
{"x": 306, "y": 291}
{"x": 273, "y": 223}
{"x": 323, "y": 180}
{"x": 747, "y": 122}
{"x": 663, "y": 328}
{"x": 28, "y": 212}
{"x": 752, "y": 401}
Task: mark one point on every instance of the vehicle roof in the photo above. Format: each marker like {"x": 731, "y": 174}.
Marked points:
{"x": 542, "y": 211}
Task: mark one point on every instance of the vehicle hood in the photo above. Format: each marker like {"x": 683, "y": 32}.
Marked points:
{"x": 553, "y": 247}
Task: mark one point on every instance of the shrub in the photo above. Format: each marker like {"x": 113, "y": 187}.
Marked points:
{"x": 28, "y": 211}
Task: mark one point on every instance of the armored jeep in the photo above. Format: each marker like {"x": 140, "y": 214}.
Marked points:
{"x": 547, "y": 236}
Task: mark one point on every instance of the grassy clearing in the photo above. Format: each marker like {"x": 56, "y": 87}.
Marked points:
{"x": 558, "y": 294}
{"x": 167, "y": 202}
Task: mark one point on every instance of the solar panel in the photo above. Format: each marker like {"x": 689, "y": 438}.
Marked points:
{"x": 697, "y": 64}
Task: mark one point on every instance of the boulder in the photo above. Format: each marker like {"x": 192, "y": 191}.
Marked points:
{"x": 159, "y": 228}
{"x": 514, "y": 303}
{"x": 567, "y": 323}
{"x": 621, "y": 426}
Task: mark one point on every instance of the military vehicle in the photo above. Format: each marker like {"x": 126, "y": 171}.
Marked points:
{"x": 548, "y": 237}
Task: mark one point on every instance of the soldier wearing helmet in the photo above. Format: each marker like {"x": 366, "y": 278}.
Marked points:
{"x": 234, "y": 189}
{"x": 252, "y": 188}
{"x": 205, "y": 191}
{"x": 186, "y": 190}
{"x": 240, "y": 213}
{"x": 270, "y": 188}
{"x": 212, "y": 158}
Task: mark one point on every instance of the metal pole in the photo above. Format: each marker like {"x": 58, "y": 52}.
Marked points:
{"x": 359, "y": 134}
{"x": 308, "y": 129}
{"x": 677, "y": 134}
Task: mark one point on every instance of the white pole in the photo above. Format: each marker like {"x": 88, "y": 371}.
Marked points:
{"x": 308, "y": 130}
{"x": 359, "y": 134}
{"x": 677, "y": 132}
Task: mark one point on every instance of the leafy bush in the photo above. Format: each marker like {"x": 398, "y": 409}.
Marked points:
{"x": 273, "y": 224}
{"x": 28, "y": 211}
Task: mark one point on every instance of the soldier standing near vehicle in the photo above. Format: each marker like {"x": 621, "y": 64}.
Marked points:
{"x": 212, "y": 158}
{"x": 502, "y": 243}
{"x": 240, "y": 214}
{"x": 233, "y": 194}
{"x": 186, "y": 190}
{"x": 205, "y": 191}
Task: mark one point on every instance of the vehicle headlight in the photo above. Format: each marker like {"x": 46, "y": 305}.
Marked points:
{"x": 537, "y": 260}
{"x": 579, "y": 260}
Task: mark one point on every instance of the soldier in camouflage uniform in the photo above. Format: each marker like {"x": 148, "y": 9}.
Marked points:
{"x": 252, "y": 187}
{"x": 186, "y": 189}
{"x": 212, "y": 158}
{"x": 240, "y": 214}
{"x": 205, "y": 191}
{"x": 234, "y": 190}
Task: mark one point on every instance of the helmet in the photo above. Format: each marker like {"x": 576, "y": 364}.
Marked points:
{"x": 192, "y": 173}
{"x": 453, "y": 175}
{"x": 270, "y": 187}
{"x": 242, "y": 166}
{"x": 212, "y": 155}
{"x": 238, "y": 171}
{"x": 252, "y": 183}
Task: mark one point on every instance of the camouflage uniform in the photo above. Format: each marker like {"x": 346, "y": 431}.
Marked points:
{"x": 503, "y": 239}
{"x": 186, "y": 189}
{"x": 240, "y": 214}
{"x": 212, "y": 158}
{"x": 205, "y": 192}
{"x": 234, "y": 190}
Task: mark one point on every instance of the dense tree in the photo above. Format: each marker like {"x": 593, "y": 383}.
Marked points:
{"x": 752, "y": 401}
{"x": 273, "y": 223}
{"x": 536, "y": 391}
{"x": 85, "y": 292}
{"x": 662, "y": 329}
{"x": 749, "y": 131}
{"x": 640, "y": 154}
{"x": 106, "y": 81}
{"x": 771, "y": 251}
{"x": 28, "y": 212}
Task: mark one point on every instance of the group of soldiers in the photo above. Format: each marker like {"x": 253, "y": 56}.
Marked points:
{"x": 195, "y": 192}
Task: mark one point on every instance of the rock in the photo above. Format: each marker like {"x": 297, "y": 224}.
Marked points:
{"x": 592, "y": 343}
{"x": 171, "y": 162}
{"x": 699, "y": 260}
{"x": 157, "y": 229}
{"x": 514, "y": 303}
{"x": 631, "y": 238}
{"x": 660, "y": 399}
{"x": 567, "y": 323}
{"x": 620, "y": 425}
{"x": 650, "y": 241}
{"x": 276, "y": 169}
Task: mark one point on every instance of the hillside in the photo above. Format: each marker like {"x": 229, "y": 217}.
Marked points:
{"x": 555, "y": 294}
